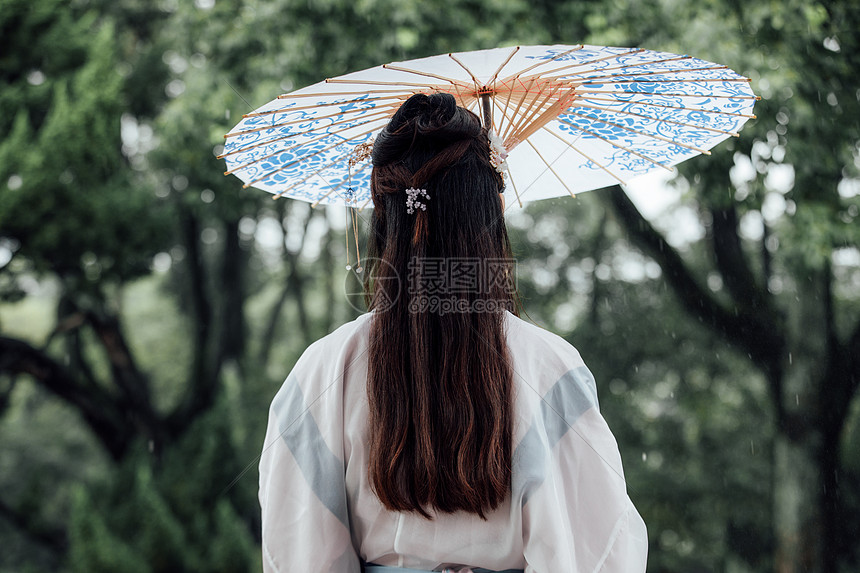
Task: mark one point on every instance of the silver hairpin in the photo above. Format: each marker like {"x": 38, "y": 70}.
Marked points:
{"x": 413, "y": 199}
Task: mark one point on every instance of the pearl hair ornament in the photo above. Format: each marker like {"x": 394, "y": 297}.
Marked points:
{"x": 413, "y": 200}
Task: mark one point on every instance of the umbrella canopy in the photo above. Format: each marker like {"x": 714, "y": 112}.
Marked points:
{"x": 572, "y": 119}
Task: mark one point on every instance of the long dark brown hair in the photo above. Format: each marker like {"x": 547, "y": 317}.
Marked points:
{"x": 439, "y": 378}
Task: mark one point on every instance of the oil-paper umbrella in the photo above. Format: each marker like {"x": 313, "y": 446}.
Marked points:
{"x": 571, "y": 119}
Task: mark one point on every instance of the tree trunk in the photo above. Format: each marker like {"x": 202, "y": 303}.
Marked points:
{"x": 799, "y": 493}
{"x": 797, "y": 502}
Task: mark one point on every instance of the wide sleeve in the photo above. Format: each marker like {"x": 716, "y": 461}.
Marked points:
{"x": 577, "y": 516}
{"x": 305, "y": 519}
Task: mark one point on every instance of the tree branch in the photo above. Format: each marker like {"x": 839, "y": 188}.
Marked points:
{"x": 127, "y": 376}
{"x": 853, "y": 352}
{"x": 761, "y": 343}
{"x": 729, "y": 256}
{"x": 98, "y": 409}
{"x": 232, "y": 337}
{"x": 201, "y": 390}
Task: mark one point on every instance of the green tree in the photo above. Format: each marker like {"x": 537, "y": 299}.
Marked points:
{"x": 784, "y": 297}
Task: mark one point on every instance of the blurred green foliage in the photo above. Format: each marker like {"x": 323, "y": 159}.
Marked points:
{"x": 152, "y": 307}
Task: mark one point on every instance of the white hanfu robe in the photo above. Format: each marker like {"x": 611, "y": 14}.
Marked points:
{"x": 568, "y": 511}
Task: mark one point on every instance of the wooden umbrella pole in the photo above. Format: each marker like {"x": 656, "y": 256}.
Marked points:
{"x": 487, "y": 106}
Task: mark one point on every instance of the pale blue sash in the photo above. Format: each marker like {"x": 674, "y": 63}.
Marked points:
{"x": 370, "y": 568}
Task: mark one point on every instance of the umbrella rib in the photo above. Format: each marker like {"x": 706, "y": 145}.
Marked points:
{"x": 524, "y": 120}
{"x": 468, "y": 71}
{"x": 459, "y": 95}
{"x": 339, "y": 185}
{"x": 580, "y": 64}
{"x": 569, "y": 144}
{"x": 542, "y": 63}
{"x": 303, "y": 179}
{"x": 548, "y": 114}
{"x": 625, "y": 66}
{"x": 419, "y": 73}
{"x": 573, "y": 147}
{"x": 712, "y": 96}
{"x": 283, "y": 167}
{"x": 549, "y": 166}
{"x": 316, "y": 105}
{"x": 382, "y": 108}
{"x": 257, "y": 144}
{"x": 519, "y": 105}
{"x": 288, "y": 136}
{"x": 735, "y": 80}
{"x": 668, "y": 168}
{"x": 642, "y": 103}
{"x": 659, "y": 120}
{"x": 616, "y": 177}
{"x": 329, "y": 94}
{"x": 505, "y": 109}
{"x": 267, "y": 127}
{"x": 293, "y": 162}
{"x": 297, "y": 145}
{"x": 653, "y": 73}
{"x": 380, "y": 83}
{"x": 651, "y": 135}
{"x": 505, "y": 63}
{"x": 514, "y": 184}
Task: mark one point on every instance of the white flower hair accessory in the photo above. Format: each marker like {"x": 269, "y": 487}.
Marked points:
{"x": 413, "y": 199}
{"x": 498, "y": 153}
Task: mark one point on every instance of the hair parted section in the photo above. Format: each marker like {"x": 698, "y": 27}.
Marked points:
{"x": 440, "y": 384}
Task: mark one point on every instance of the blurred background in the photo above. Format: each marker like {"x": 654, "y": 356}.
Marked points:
{"x": 151, "y": 308}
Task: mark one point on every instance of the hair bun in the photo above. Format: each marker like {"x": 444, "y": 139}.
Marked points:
{"x": 424, "y": 122}
{"x": 427, "y": 112}
{"x": 438, "y": 111}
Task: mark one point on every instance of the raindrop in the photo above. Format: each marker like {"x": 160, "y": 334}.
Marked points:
{"x": 790, "y": 358}
{"x": 207, "y": 195}
{"x": 797, "y": 400}
{"x": 715, "y": 282}
{"x": 180, "y": 182}
{"x": 177, "y": 253}
{"x": 36, "y": 78}
{"x": 209, "y": 235}
{"x": 161, "y": 262}
{"x": 247, "y": 226}
{"x": 175, "y": 88}
{"x": 644, "y": 456}
{"x": 832, "y": 44}
{"x": 14, "y": 182}
{"x": 198, "y": 60}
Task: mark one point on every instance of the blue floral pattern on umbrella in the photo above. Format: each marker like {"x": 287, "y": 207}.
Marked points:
{"x": 573, "y": 118}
